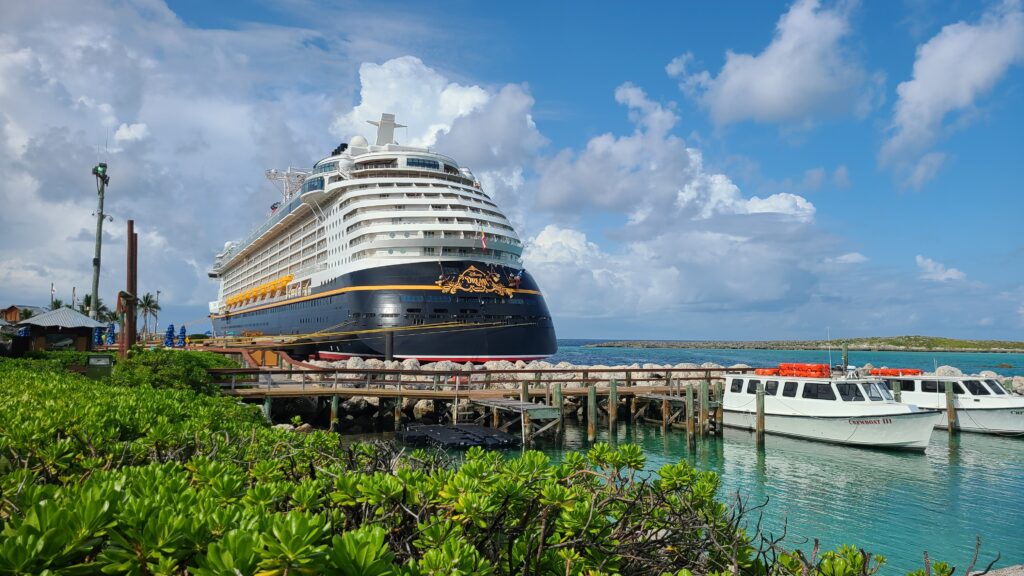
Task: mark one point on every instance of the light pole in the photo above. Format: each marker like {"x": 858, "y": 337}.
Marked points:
{"x": 156, "y": 314}
{"x": 102, "y": 179}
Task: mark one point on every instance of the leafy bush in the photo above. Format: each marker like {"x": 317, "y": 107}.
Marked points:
{"x": 110, "y": 479}
{"x": 162, "y": 368}
{"x": 64, "y": 357}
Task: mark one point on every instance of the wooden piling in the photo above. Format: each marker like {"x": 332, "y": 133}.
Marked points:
{"x": 398, "y": 401}
{"x": 613, "y": 405}
{"x": 267, "y": 404}
{"x": 691, "y": 438}
{"x": 846, "y": 356}
{"x": 950, "y": 408}
{"x": 561, "y": 407}
{"x": 524, "y": 392}
{"x": 495, "y": 418}
{"x": 704, "y": 406}
{"x": 666, "y": 414}
{"x": 759, "y": 419}
{"x": 591, "y": 413}
{"x": 334, "y": 414}
{"x": 897, "y": 390}
{"x": 719, "y": 409}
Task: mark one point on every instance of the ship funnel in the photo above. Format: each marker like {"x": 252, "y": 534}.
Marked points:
{"x": 386, "y": 129}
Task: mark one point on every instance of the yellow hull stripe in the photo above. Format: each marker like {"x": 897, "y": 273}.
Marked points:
{"x": 353, "y": 289}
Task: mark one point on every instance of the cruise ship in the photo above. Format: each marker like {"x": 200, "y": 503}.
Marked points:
{"x": 386, "y": 251}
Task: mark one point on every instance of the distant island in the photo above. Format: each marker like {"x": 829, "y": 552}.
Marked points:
{"x": 886, "y": 343}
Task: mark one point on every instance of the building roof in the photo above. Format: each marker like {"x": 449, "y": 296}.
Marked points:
{"x": 34, "y": 309}
{"x": 62, "y": 318}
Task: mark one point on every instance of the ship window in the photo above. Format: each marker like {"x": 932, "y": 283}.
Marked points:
{"x": 440, "y": 310}
{"x": 850, "y": 392}
{"x": 931, "y": 386}
{"x": 789, "y": 389}
{"x": 873, "y": 390}
{"x": 995, "y": 386}
{"x": 422, "y": 163}
{"x": 977, "y": 388}
{"x": 771, "y": 387}
{"x": 752, "y": 386}
{"x": 413, "y": 310}
{"x": 818, "y": 391}
{"x": 737, "y": 385}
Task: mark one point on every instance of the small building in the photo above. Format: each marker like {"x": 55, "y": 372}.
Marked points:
{"x": 61, "y": 329}
{"x": 12, "y": 314}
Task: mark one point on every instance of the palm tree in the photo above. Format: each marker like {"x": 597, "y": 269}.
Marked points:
{"x": 148, "y": 307}
{"x": 25, "y": 313}
{"x": 101, "y": 310}
{"x": 57, "y": 303}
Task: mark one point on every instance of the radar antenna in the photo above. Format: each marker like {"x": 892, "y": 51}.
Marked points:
{"x": 288, "y": 181}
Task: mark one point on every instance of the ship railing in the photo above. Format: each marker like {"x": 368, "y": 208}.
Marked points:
{"x": 502, "y": 381}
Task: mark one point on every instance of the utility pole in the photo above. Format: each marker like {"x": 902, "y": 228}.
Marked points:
{"x": 100, "y": 171}
{"x": 156, "y": 315}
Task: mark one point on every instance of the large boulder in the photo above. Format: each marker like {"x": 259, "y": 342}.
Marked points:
{"x": 374, "y": 363}
{"x": 948, "y": 371}
{"x": 410, "y": 364}
{"x": 422, "y": 409}
{"x": 355, "y": 363}
{"x": 989, "y": 374}
{"x": 1017, "y": 384}
{"x": 520, "y": 365}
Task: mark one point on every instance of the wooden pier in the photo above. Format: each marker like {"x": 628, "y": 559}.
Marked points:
{"x": 535, "y": 401}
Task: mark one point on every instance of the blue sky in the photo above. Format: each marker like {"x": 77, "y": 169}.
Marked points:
{"x": 713, "y": 170}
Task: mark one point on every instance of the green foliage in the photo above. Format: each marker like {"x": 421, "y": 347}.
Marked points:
{"x": 63, "y": 357}
{"x": 104, "y": 479}
{"x": 162, "y": 368}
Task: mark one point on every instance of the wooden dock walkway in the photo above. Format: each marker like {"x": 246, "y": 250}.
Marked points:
{"x": 535, "y": 399}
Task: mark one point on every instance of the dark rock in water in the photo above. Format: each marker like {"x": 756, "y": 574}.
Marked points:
{"x": 1004, "y": 365}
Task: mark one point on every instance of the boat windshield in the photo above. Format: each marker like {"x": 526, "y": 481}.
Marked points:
{"x": 996, "y": 387}
{"x": 884, "y": 390}
{"x": 850, "y": 392}
{"x": 976, "y": 388}
{"x": 873, "y": 393}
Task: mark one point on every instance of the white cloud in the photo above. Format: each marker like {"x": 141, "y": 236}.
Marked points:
{"x": 841, "y": 177}
{"x": 951, "y": 71}
{"x": 418, "y": 95}
{"x": 936, "y": 271}
{"x": 848, "y": 258}
{"x": 805, "y": 72}
{"x": 131, "y": 132}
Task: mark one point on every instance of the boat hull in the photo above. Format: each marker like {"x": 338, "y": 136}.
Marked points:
{"x": 1007, "y": 421}
{"x": 907, "y": 431}
{"x": 460, "y": 311}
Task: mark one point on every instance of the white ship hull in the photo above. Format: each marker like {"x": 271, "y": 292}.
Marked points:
{"x": 1005, "y": 421}
{"x": 907, "y": 431}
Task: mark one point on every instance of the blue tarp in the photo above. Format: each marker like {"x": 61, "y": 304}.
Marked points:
{"x": 111, "y": 336}
{"x": 169, "y": 337}
{"x": 97, "y": 336}
{"x": 181, "y": 338}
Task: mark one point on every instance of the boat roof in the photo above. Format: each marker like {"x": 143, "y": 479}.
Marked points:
{"x": 836, "y": 379}
{"x": 939, "y": 378}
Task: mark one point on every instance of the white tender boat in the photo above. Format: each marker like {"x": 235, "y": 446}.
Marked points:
{"x": 858, "y": 412}
{"x": 982, "y": 404}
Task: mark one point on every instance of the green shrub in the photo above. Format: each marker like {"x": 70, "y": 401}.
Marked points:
{"x": 64, "y": 357}
{"x": 163, "y": 368}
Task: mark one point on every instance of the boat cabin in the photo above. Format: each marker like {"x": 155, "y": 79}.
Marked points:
{"x": 813, "y": 389}
{"x": 962, "y": 386}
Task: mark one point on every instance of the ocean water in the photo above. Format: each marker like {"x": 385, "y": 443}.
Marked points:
{"x": 575, "y": 352}
{"x": 898, "y": 504}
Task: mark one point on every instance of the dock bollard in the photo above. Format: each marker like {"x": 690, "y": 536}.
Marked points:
{"x": 591, "y": 413}
{"x": 759, "y": 421}
{"x": 950, "y": 408}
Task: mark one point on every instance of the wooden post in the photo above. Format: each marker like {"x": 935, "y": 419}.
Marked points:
{"x": 897, "y": 390}
{"x": 719, "y": 410}
{"x": 629, "y": 379}
{"x": 668, "y": 381}
{"x": 561, "y": 407}
{"x": 495, "y": 418}
{"x": 846, "y": 356}
{"x": 613, "y": 405}
{"x": 267, "y": 403}
{"x": 527, "y": 432}
{"x": 666, "y": 413}
{"x": 547, "y": 392}
{"x": 950, "y": 408}
{"x": 398, "y": 401}
{"x": 704, "y": 407}
{"x": 524, "y": 392}
{"x": 691, "y": 435}
{"x": 759, "y": 418}
{"x": 334, "y": 413}
{"x": 591, "y": 413}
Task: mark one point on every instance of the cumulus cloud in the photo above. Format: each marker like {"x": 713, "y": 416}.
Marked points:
{"x": 131, "y": 132}
{"x": 952, "y": 70}
{"x": 936, "y": 271}
{"x": 848, "y": 258}
{"x": 806, "y": 72}
{"x": 421, "y": 98}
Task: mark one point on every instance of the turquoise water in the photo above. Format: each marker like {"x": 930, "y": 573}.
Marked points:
{"x": 574, "y": 352}
{"x": 897, "y": 504}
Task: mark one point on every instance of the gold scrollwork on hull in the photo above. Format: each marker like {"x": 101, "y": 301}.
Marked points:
{"x": 477, "y": 281}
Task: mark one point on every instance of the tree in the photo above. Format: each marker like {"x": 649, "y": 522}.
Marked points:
{"x": 148, "y": 307}
{"x": 25, "y": 313}
{"x": 57, "y": 303}
{"x": 102, "y": 312}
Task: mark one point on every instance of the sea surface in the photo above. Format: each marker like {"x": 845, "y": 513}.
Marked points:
{"x": 575, "y": 352}
{"x": 897, "y": 504}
